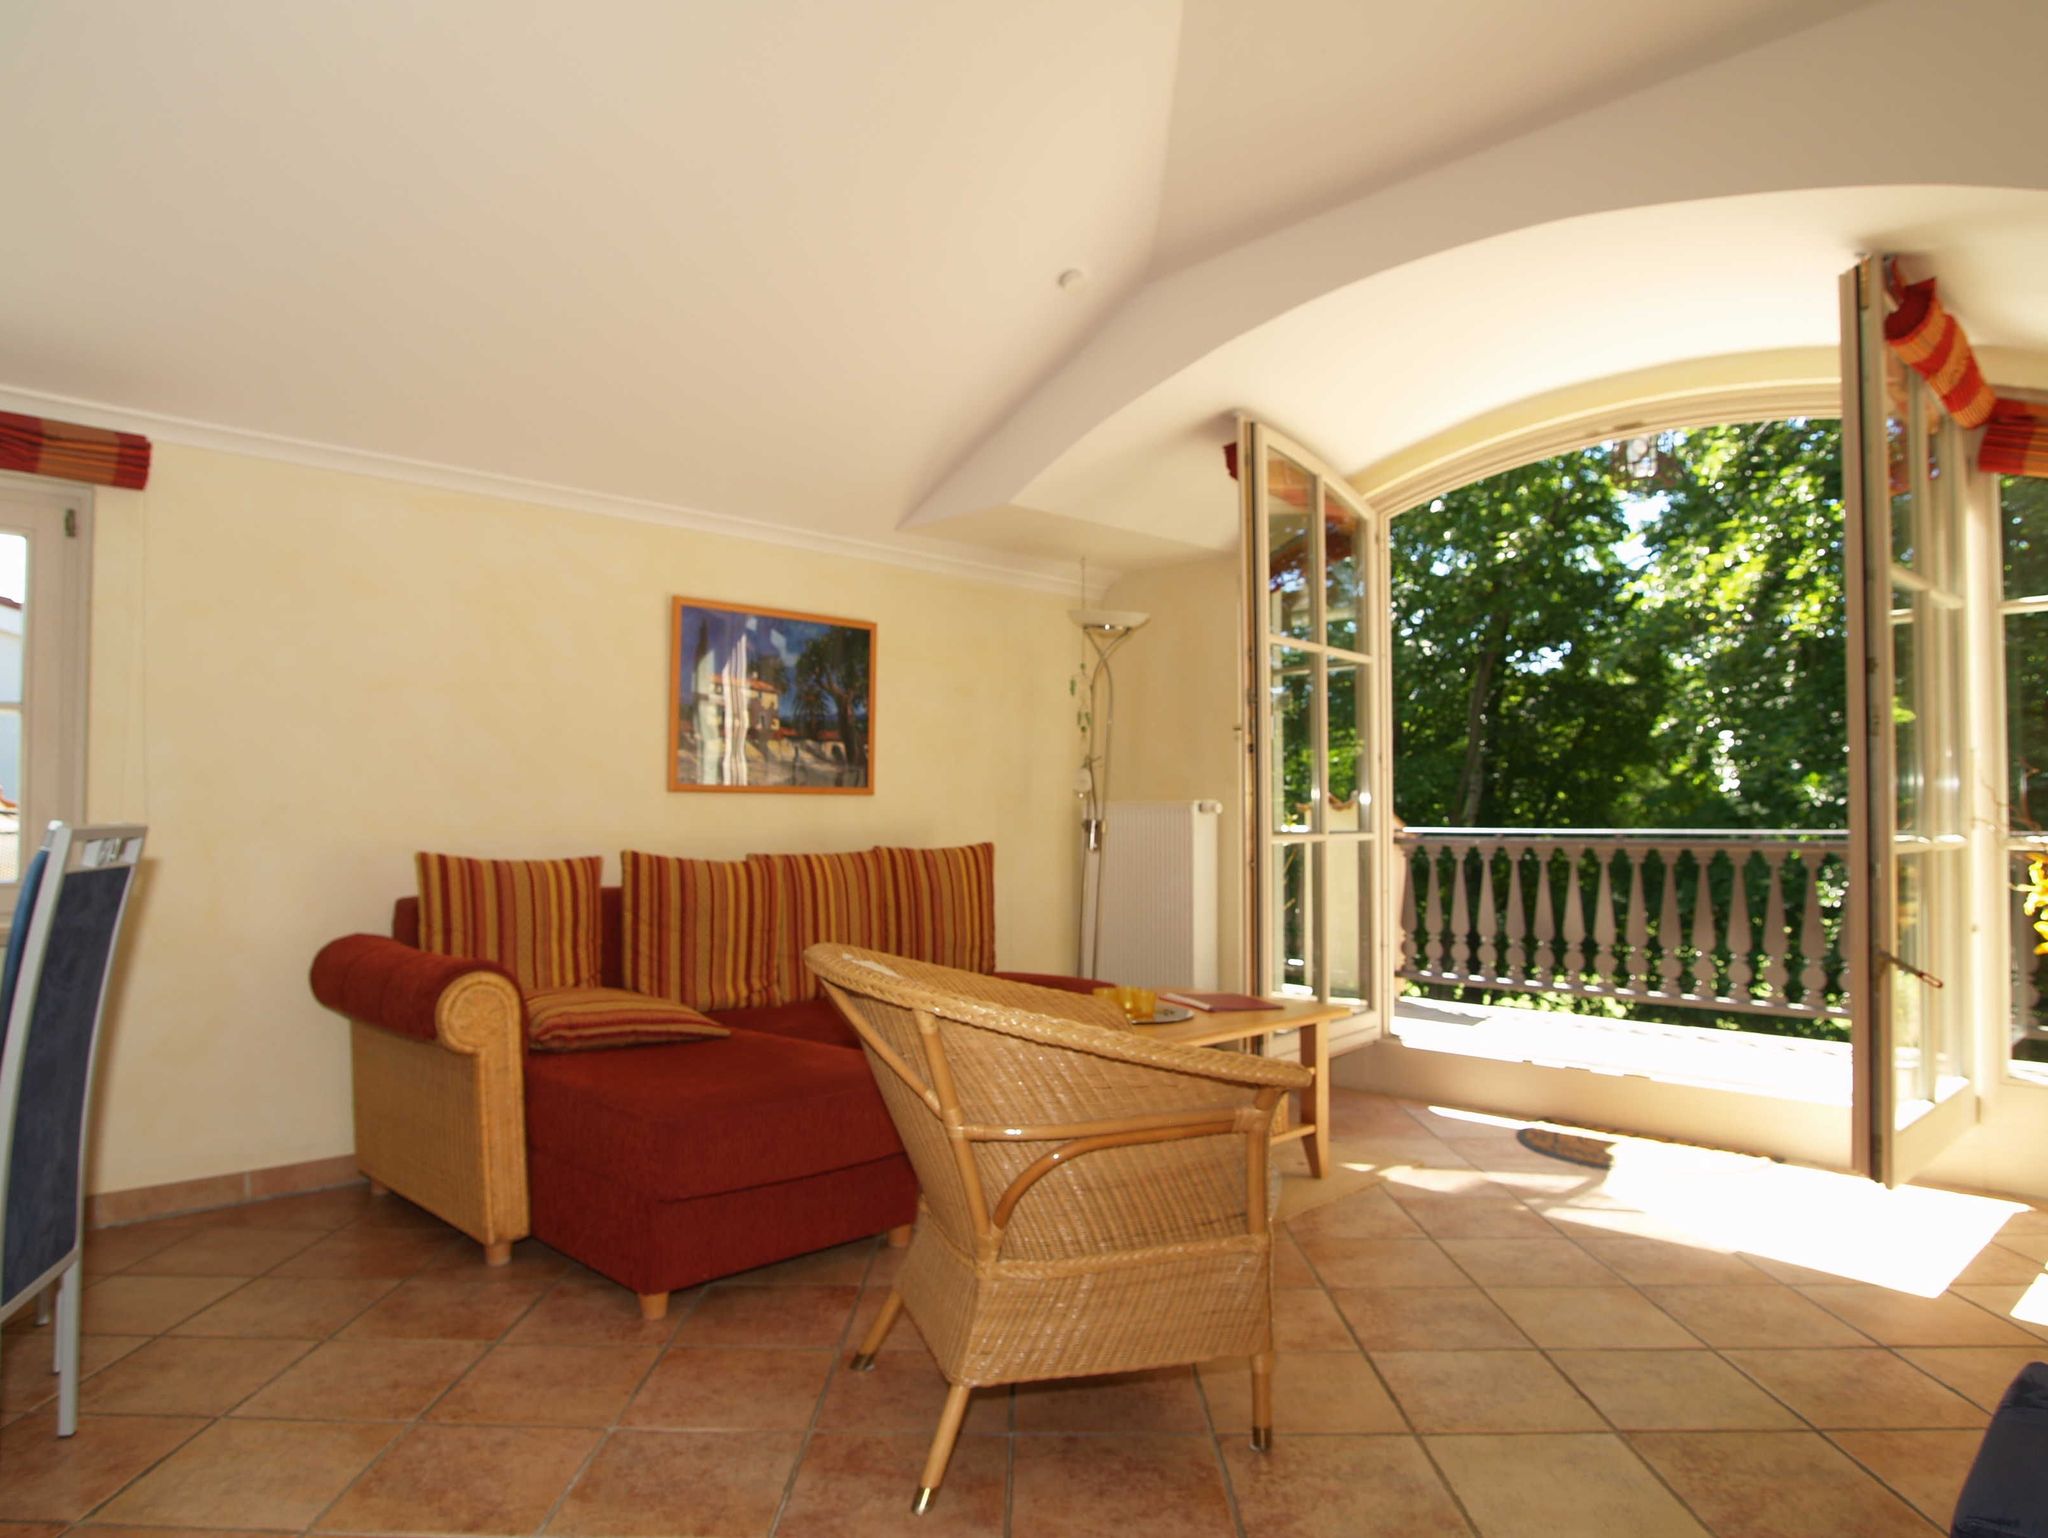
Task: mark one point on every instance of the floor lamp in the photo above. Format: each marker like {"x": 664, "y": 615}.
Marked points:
{"x": 1106, "y": 630}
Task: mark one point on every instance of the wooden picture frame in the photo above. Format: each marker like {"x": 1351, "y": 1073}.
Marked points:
{"x": 785, "y": 701}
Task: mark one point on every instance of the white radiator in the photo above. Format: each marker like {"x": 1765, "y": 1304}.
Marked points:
{"x": 1156, "y": 882}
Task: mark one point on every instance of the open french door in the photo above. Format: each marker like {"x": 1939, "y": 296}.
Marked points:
{"x": 1319, "y": 729}
{"x": 1905, "y": 484}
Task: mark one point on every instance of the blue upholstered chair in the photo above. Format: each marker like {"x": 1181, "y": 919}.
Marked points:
{"x": 60, "y": 952}
{"x": 2006, "y": 1495}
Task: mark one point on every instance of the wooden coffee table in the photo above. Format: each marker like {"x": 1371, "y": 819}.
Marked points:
{"x": 1313, "y": 1020}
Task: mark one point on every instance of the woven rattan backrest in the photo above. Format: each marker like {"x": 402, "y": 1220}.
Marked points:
{"x": 1011, "y": 1055}
{"x": 912, "y": 1104}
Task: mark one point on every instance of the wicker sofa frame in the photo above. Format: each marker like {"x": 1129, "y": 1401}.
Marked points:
{"x": 1093, "y": 1201}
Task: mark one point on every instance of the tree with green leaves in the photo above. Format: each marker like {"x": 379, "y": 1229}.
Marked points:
{"x": 1649, "y": 638}
{"x": 1583, "y": 642}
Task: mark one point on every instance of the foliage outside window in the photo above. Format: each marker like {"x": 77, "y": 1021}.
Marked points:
{"x": 1641, "y": 637}
{"x": 2023, "y": 523}
{"x": 1575, "y": 647}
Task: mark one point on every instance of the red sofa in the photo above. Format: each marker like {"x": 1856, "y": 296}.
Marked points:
{"x": 658, "y": 1166}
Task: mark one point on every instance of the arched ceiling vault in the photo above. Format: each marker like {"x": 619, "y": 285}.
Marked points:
{"x": 1702, "y": 218}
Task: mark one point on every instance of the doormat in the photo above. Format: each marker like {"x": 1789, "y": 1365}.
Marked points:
{"x": 1592, "y": 1152}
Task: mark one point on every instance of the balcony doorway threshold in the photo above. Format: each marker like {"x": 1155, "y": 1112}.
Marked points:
{"x": 1790, "y": 1068}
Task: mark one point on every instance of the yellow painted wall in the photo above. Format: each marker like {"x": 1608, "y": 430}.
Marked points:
{"x": 1176, "y": 715}
{"x": 301, "y": 676}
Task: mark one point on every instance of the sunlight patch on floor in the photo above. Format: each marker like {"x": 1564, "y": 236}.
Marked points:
{"x": 2032, "y": 1307}
{"x": 1913, "y": 1239}
{"x": 1752, "y": 1062}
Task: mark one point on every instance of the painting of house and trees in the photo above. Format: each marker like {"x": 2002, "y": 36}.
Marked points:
{"x": 766, "y": 700}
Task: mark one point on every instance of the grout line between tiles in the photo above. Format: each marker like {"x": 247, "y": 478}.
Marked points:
{"x": 1906, "y": 1500}
{"x": 1216, "y": 1452}
{"x": 1621, "y": 1437}
{"x": 604, "y": 1433}
{"x": 803, "y": 1446}
{"x": 1422, "y": 1444}
{"x": 1010, "y": 1473}
{"x": 407, "y": 1427}
{"x": 184, "y": 1442}
{"x": 1799, "y": 1423}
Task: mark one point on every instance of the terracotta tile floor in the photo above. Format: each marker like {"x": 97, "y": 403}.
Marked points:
{"x": 1474, "y": 1339}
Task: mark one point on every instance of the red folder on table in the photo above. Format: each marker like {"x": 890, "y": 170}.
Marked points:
{"x": 1211, "y": 1003}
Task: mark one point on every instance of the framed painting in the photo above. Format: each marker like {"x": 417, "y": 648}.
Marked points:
{"x": 769, "y": 700}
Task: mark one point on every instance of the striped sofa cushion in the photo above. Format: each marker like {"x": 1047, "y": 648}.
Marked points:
{"x": 538, "y": 919}
{"x": 813, "y": 897}
{"x": 696, "y": 931}
{"x": 578, "y": 1019}
{"x": 945, "y": 905}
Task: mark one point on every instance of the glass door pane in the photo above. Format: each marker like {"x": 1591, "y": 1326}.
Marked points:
{"x": 1352, "y": 921}
{"x": 1294, "y": 964}
{"x": 1346, "y": 763}
{"x": 1290, "y": 558}
{"x": 1315, "y": 568}
{"x": 1908, "y": 691}
{"x": 1291, "y": 688}
{"x": 1343, "y": 575}
{"x": 2023, "y": 589}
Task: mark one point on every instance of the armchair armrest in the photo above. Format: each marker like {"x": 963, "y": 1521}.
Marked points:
{"x": 1059, "y": 980}
{"x": 437, "y": 1047}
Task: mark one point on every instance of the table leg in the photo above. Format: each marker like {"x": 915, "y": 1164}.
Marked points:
{"x": 1315, "y": 1107}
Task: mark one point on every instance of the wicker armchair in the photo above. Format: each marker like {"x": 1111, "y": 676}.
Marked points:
{"x": 1093, "y": 1201}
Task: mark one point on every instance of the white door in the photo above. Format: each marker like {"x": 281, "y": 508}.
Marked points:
{"x": 1906, "y": 484}
{"x": 1320, "y": 729}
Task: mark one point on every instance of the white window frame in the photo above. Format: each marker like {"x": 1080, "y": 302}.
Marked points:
{"x": 1999, "y": 970}
{"x": 1627, "y": 416}
{"x": 1267, "y": 842}
{"x": 56, "y": 641}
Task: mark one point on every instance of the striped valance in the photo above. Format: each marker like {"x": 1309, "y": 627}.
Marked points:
{"x": 2015, "y": 440}
{"x": 1930, "y": 341}
{"x": 68, "y": 452}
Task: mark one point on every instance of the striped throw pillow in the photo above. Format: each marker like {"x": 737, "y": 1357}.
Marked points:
{"x": 578, "y": 1019}
{"x": 538, "y": 919}
{"x": 813, "y": 897}
{"x": 945, "y": 904}
{"x": 696, "y": 931}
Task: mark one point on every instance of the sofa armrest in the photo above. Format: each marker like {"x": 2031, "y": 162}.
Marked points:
{"x": 437, "y": 1047}
{"x": 450, "y": 999}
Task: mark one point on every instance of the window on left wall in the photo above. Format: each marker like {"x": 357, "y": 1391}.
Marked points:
{"x": 45, "y": 574}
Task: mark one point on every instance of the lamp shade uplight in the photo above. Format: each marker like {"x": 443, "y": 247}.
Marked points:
{"x": 1111, "y": 621}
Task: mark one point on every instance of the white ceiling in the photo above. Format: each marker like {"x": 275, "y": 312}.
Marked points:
{"x": 1283, "y": 107}
{"x": 1525, "y": 314}
{"x": 779, "y": 260}
{"x": 793, "y": 262}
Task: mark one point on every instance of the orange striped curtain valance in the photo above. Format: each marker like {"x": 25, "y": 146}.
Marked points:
{"x": 1930, "y": 341}
{"x": 68, "y": 452}
{"x": 2015, "y": 440}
